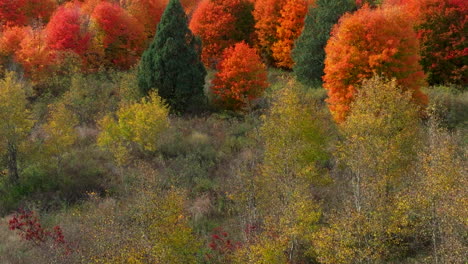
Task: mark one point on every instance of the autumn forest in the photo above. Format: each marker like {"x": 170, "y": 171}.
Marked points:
{"x": 233, "y": 131}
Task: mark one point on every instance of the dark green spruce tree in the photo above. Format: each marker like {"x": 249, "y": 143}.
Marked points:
{"x": 172, "y": 63}
{"x": 309, "y": 49}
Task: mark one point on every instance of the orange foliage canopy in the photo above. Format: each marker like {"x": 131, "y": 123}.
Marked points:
{"x": 149, "y": 12}
{"x": 118, "y": 35}
{"x": 290, "y": 28}
{"x": 371, "y": 41}
{"x": 34, "y": 55}
{"x": 220, "y": 24}
{"x": 67, "y": 30}
{"x": 10, "y": 39}
{"x": 267, "y": 14}
{"x": 24, "y": 12}
{"x": 241, "y": 77}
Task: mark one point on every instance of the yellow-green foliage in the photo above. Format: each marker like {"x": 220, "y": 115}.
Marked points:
{"x": 439, "y": 196}
{"x": 152, "y": 227}
{"x": 15, "y": 120}
{"x": 128, "y": 86}
{"x": 265, "y": 250}
{"x": 380, "y": 140}
{"x": 294, "y": 146}
{"x": 60, "y": 130}
{"x": 380, "y": 137}
{"x": 137, "y": 124}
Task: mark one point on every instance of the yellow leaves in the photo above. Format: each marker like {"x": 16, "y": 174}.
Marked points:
{"x": 265, "y": 250}
{"x": 137, "y": 123}
{"x": 381, "y": 131}
{"x": 294, "y": 145}
{"x": 60, "y": 129}
{"x": 15, "y": 119}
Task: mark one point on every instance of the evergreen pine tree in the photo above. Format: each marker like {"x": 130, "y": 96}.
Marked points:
{"x": 172, "y": 64}
{"x": 309, "y": 51}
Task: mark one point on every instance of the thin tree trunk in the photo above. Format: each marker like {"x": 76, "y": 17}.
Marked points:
{"x": 12, "y": 163}
{"x": 434, "y": 233}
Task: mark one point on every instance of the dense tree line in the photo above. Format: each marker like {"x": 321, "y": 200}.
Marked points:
{"x": 233, "y": 131}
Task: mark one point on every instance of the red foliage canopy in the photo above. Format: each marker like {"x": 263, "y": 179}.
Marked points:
{"x": 371, "y": 41}
{"x": 442, "y": 30}
{"x": 23, "y": 12}
{"x": 10, "y": 12}
{"x": 241, "y": 77}
{"x": 67, "y": 30}
{"x": 118, "y": 35}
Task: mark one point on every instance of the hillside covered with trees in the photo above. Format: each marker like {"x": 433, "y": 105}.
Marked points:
{"x": 233, "y": 131}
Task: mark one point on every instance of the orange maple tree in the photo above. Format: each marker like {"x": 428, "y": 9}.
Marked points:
{"x": 220, "y": 24}
{"x": 148, "y": 13}
{"x": 11, "y": 38}
{"x": 34, "y": 55}
{"x": 241, "y": 77}
{"x": 289, "y": 29}
{"x": 366, "y": 43}
{"x": 267, "y": 14}
{"x": 118, "y": 35}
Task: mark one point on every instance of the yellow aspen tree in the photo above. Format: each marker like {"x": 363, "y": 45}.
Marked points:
{"x": 137, "y": 124}
{"x": 381, "y": 137}
{"x": 294, "y": 146}
{"x": 60, "y": 132}
{"x": 16, "y": 122}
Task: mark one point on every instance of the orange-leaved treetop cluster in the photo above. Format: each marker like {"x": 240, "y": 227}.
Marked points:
{"x": 290, "y": 27}
{"x": 24, "y": 45}
{"x": 220, "y": 24}
{"x": 267, "y": 14}
{"x": 371, "y": 42}
{"x": 148, "y": 13}
{"x": 278, "y": 23}
{"x": 241, "y": 77}
{"x": 34, "y": 55}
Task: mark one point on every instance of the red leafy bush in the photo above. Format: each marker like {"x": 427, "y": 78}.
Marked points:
{"x": 221, "y": 246}
{"x": 29, "y": 228}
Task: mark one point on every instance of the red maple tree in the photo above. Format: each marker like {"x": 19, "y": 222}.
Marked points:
{"x": 118, "y": 35}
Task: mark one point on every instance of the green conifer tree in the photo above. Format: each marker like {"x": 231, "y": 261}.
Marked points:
{"x": 309, "y": 51}
{"x": 171, "y": 64}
